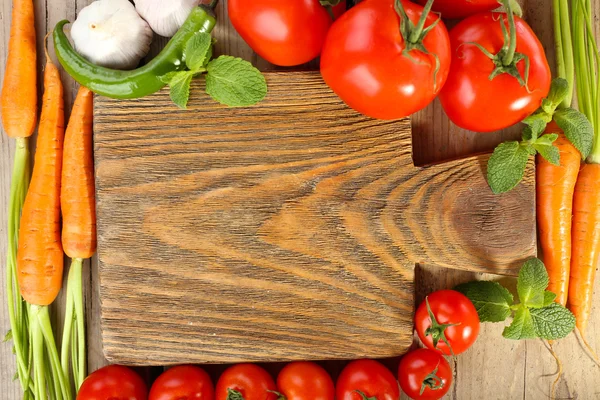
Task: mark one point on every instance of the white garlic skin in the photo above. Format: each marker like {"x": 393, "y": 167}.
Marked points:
{"x": 110, "y": 33}
{"x": 165, "y": 16}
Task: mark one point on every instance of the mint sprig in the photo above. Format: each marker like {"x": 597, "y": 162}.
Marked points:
{"x": 230, "y": 81}
{"x": 536, "y": 316}
{"x": 507, "y": 165}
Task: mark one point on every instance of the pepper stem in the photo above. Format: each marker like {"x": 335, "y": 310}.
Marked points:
{"x": 508, "y": 57}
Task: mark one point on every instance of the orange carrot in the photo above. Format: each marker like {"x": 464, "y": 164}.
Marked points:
{"x": 555, "y": 186}
{"x": 586, "y": 243}
{"x": 19, "y": 93}
{"x": 79, "y": 227}
{"x": 40, "y": 254}
{"x": 77, "y": 192}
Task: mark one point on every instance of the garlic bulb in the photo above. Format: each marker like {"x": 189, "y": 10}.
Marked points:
{"x": 165, "y": 16}
{"x": 110, "y": 33}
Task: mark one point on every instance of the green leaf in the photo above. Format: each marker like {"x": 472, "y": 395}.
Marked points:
{"x": 535, "y": 125}
{"x": 491, "y": 299}
{"x": 507, "y": 166}
{"x": 532, "y": 283}
{"x": 549, "y": 298}
{"x": 553, "y": 322}
{"x": 235, "y": 82}
{"x": 198, "y": 51}
{"x": 577, "y": 129}
{"x": 522, "y": 326}
{"x": 180, "y": 88}
{"x": 8, "y": 336}
{"x": 167, "y": 78}
{"x": 558, "y": 92}
{"x": 544, "y": 145}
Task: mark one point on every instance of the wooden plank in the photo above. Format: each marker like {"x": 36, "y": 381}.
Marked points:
{"x": 298, "y": 202}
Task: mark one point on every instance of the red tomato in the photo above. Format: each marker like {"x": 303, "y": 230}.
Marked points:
{"x": 454, "y": 316}
{"x": 305, "y": 381}
{"x": 249, "y": 380}
{"x": 363, "y": 60}
{"x": 184, "y": 382}
{"x": 427, "y": 371}
{"x": 286, "y": 33}
{"x": 113, "y": 382}
{"x": 368, "y": 377}
{"x": 462, "y": 8}
{"x": 473, "y": 101}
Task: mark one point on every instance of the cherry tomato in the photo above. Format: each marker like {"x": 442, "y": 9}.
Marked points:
{"x": 371, "y": 378}
{"x": 473, "y": 101}
{"x": 424, "y": 375}
{"x": 286, "y": 33}
{"x": 462, "y": 8}
{"x": 113, "y": 382}
{"x": 453, "y": 318}
{"x": 185, "y": 382}
{"x": 248, "y": 380}
{"x": 365, "y": 63}
{"x": 305, "y": 381}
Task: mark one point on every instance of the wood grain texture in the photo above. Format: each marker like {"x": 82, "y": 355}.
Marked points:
{"x": 311, "y": 213}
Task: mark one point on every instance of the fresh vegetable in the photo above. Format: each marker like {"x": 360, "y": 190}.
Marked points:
{"x": 139, "y": 82}
{"x": 78, "y": 205}
{"x": 40, "y": 254}
{"x": 387, "y": 59}
{"x": 285, "y": 33}
{"x": 424, "y": 375}
{"x": 305, "y": 381}
{"x": 537, "y": 316}
{"x": 462, "y": 8}
{"x": 367, "y": 380}
{"x": 18, "y": 110}
{"x": 111, "y": 38}
{"x": 165, "y": 17}
{"x": 229, "y": 80}
{"x": 499, "y": 72}
{"x": 447, "y": 322}
{"x": 586, "y": 207}
{"x": 507, "y": 165}
{"x": 113, "y": 382}
{"x": 245, "y": 382}
{"x": 184, "y": 382}
{"x": 555, "y": 185}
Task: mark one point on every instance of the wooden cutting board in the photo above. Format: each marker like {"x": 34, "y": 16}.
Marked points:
{"x": 285, "y": 231}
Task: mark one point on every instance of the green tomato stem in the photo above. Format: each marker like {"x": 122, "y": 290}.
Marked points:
{"x": 512, "y": 28}
{"x": 416, "y": 33}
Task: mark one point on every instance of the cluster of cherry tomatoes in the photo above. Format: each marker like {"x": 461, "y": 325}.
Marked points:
{"x": 391, "y": 58}
{"x": 446, "y": 322}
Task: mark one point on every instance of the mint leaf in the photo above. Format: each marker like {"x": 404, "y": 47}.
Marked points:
{"x": 507, "y": 166}
{"x": 532, "y": 283}
{"x": 167, "y": 78}
{"x": 549, "y": 298}
{"x": 522, "y": 326}
{"x": 180, "y": 88}
{"x": 577, "y": 129}
{"x": 553, "y": 322}
{"x": 535, "y": 125}
{"x": 198, "y": 50}
{"x": 544, "y": 145}
{"x": 235, "y": 82}
{"x": 491, "y": 300}
{"x": 558, "y": 92}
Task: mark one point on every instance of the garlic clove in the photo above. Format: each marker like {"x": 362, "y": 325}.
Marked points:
{"x": 110, "y": 33}
{"x": 165, "y": 17}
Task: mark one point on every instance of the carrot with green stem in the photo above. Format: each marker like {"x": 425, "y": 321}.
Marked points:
{"x": 40, "y": 254}
{"x": 79, "y": 226}
{"x": 586, "y": 203}
{"x": 18, "y": 109}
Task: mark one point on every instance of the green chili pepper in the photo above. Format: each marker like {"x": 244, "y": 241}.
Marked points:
{"x": 139, "y": 82}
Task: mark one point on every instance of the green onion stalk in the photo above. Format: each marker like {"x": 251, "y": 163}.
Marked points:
{"x": 18, "y": 310}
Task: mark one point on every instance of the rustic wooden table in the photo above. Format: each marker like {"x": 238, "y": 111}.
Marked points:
{"x": 493, "y": 369}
